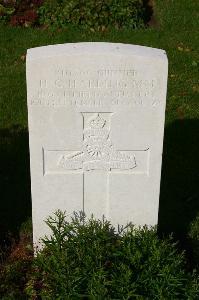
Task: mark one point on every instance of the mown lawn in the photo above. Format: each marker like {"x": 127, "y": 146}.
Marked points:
{"x": 176, "y": 31}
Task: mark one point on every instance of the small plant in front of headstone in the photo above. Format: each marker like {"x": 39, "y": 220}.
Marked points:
{"x": 88, "y": 258}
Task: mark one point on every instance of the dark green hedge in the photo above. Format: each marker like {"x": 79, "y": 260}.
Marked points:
{"x": 88, "y": 259}
{"x": 96, "y": 15}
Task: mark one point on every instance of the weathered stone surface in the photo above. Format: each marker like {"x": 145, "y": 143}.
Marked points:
{"x": 96, "y": 121}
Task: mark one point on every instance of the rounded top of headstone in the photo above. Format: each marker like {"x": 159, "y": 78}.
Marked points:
{"x": 94, "y": 48}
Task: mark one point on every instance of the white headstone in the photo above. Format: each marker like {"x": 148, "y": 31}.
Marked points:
{"x": 96, "y": 122}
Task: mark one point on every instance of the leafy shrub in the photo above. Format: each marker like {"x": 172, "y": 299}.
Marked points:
{"x": 96, "y": 15}
{"x": 87, "y": 258}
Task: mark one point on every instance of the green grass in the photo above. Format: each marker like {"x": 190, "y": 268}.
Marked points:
{"x": 176, "y": 32}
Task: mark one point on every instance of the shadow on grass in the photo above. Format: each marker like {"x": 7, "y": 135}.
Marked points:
{"x": 15, "y": 204}
{"x": 179, "y": 196}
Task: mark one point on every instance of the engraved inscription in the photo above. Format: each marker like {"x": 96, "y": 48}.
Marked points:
{"x": 96, "y": 88}
{"x": 102, "y": 84}
{"x": 101, "y": 72}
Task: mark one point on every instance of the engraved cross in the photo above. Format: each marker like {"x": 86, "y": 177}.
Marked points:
{"x": 98, "y": 155}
